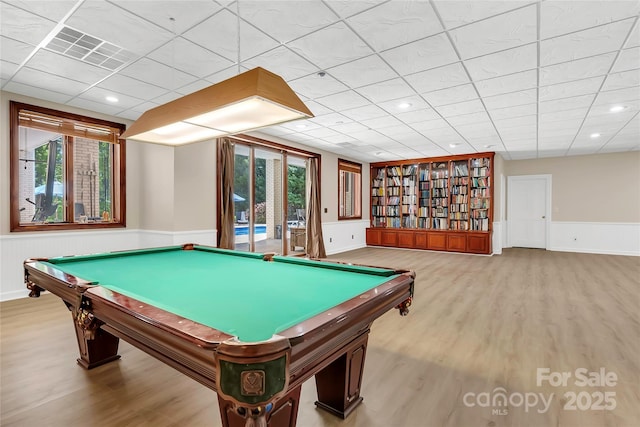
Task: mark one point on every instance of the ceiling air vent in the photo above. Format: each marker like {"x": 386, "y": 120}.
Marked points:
{"x": 92, "y": 50}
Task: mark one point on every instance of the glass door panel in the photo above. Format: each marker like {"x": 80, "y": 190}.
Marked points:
{"x": 268, "y": 191}
{"x": 242, "y": 196}
{"x": 296, "y": 205}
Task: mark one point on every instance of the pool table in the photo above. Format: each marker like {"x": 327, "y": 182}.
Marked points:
{"x": 252, "y": 327}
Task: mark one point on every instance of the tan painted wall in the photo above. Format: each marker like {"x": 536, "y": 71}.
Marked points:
{"x": 594, "y": 188}
{"x": 195, "y": 187}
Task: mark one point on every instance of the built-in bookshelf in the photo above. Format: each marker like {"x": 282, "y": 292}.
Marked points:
{"x": 409, "y": 196}
{"x": 440, "y": 203}
{"x": 439, "y": 195}
{"x": 459, "y": 207}
{"x": 480, "y": 194}
{"x": 392, "y": 211}
{"x": 378, "y": 218}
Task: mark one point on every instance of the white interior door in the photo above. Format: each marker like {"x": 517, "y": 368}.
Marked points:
{"x": 529, "y": 200}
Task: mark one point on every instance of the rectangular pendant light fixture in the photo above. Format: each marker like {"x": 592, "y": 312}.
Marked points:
{"x": 248, "y": 101}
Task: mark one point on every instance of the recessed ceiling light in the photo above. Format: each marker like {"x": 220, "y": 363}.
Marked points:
{"x": 453, "y": 145}
{"x": 111, "y": 98}
{"x": 488, "y": 146}
{"x": 594, "y": 135}
{"x": 617, "y": 108}
{"x": 301, "y": 126}
{"x": 404, "y": 105}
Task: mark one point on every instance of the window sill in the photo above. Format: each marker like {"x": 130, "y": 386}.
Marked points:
{"x": 66, "y": 226}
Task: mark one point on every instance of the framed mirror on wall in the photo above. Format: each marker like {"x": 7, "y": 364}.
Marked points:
{"x": 349, "y": 190}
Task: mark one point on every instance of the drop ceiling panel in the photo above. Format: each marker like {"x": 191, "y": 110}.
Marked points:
{"x": 562, "y": 17}
{"x": 575, "y": 70}
{"x": 385, "y": 91}
{"x": 622, "y": 80}
{"x": 343, "y": 100}
{"x": 23, "y": 26}
{"x": 66, "y": 67}
{"x": 502, "y": 63}
{"x": 185, "y": 13}
{"x": 456, "y": 13}
{"x": 438, "y": 78}
{"x": 421, "y": 55}
{"x": 498, "y": 33}
{"x": 511, "y": 99}
{"x": 136, "y": 88}
{"x": 224, "y": 25}
{"x": 594, "y": 41}
{"x": 466, "y": 107}
{"x": 451, "y": 95}
{"x": 40, "y": 79}
{"x": 98, "y": 95}
{"x": 314, "y": 86}
{"x": 283, "y": 62}
{"x": 292, "y": 19}
{"x": 162, "y": 75}
{"x": 365, "y": 113}
{"x": 333, "y": 45}
{"x": 505, "y": 84}
{"x": 348, "y": 8}
{"x": 418, "y": 116}
{"x": 521, "y": 110}
{"x": 570, "y": 89}
{"x": 14, "y": 51}
{"x": 330, "y": 119}
{"x": 363, "y": 72}
{"x": 187, "y": 56}
{"x": 396, "y": 23}
{"x": 404, "y": 104}
{"x": 629, "y": 59}
{"x": 36, "y": 92}
{"x": 566, "y": 103}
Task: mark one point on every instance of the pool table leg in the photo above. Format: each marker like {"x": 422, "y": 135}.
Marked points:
{"x": 284, "y": 413}
{"x": 338, "y": 384}
{"x": 96, "y": 345}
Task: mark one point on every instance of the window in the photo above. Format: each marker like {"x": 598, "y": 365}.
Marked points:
{"x": 67, "y": 171}
{"x": 349, "y": 190}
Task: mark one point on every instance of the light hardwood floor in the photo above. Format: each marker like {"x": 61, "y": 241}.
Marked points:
{"x": 477, "y": 323}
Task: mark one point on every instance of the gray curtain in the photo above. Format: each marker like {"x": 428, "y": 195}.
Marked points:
{"x": 226, "y": 154}
{"x": 315, "y": 242}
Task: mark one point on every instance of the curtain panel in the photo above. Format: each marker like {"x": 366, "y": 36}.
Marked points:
{"x": 226, "y": 154}
{"x": 315, "y": 242}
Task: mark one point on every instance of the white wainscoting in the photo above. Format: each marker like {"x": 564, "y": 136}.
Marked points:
{"x": 610, "y": 238}
{"x": 342, "y": 236}
{"x": 497, "y": 238}
{"x": 595, "y": 237}
{"x": 15, "y": 248}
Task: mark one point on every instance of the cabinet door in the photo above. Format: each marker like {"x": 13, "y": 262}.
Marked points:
{"x": 437, "y": 241}
{"x": 373, "y": 237}
{"x": 479, "y": 243}
{"x": 388, "y": 238}
{"x": 421, "y": 240}
{"x": 456, "y": 242}
{"x": 406, "y": 239}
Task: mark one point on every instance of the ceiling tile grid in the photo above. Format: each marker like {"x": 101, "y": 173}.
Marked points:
{"x": 385, "y": 80}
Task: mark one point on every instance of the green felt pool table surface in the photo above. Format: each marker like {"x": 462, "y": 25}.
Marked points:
{"x": 235, "y": 292}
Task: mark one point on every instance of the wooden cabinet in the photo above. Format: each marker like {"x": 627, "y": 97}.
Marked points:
{"x": 442, "y": 203}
